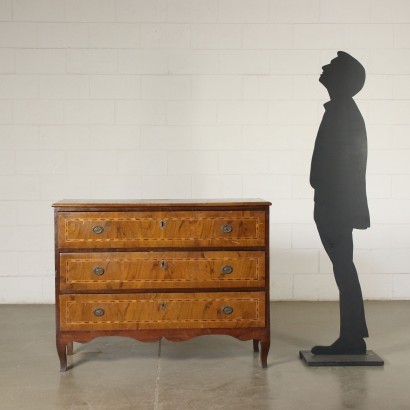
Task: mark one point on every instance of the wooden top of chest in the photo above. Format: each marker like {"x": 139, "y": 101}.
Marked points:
{"x": 160, "y": 203}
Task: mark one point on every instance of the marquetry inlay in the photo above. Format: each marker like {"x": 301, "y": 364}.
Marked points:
{"x": 152, "y": 269}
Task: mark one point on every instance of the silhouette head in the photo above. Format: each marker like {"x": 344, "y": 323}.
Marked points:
{"x": 344, "y": 76}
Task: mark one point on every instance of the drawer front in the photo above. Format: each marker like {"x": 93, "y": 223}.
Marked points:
{"x": 160, "y": 229}
{"x": 162, "y": 311}
{"x": 161, "y": 270}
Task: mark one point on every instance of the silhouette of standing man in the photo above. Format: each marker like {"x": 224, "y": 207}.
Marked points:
{"x": 338, "y": 176}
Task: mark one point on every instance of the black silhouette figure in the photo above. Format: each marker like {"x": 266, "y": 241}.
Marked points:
{"x": 338, "y": 176}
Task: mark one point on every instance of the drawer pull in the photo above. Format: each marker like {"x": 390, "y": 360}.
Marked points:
{"x": 227, "y": 310}
{"x": 226, "y": 228}
{"x": 163, "y": 264}
{"x": 99, "y": 271}
{"x": 227, "y": 269}
{"x": 162, "y": 224}
{"x": 98, "y": 229}
{"x": 163, "y": 306}
{"x": 99, "y": 312}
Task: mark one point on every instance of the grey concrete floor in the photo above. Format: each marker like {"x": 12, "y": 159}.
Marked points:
{"x": 208, "y": 372}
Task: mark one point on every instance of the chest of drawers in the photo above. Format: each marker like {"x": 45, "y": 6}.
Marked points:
{"x": 153, "y": 269}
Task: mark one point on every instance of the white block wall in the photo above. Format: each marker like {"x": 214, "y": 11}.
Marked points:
{"x": 198, "y": 99}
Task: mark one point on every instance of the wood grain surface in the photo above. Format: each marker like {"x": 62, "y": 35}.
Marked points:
{"x": 161, "y": 270}
{"x": 149, "y": 269}
{"x": 162, "y": 311}
{"x": 161, "y": 229}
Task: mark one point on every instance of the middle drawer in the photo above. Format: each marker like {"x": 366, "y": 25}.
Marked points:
{"x": 161, "y": 270}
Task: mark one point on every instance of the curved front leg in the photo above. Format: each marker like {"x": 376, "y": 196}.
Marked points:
{"x": 264, "y": 353}
{"x": 62, "y": 354}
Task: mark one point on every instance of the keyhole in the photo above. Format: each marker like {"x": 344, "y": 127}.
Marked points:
{"x": 162, "y": 224}
{"x": 163, "y": 306}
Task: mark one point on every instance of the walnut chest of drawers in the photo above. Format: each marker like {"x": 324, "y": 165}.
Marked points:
{"x": 153, "y": 269}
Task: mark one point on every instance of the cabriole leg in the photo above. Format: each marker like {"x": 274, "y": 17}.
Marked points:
{"x": 70, "y": 348}
{"x": 255, "y": 345}
{"x": 62, "y": 354}
{"x": 264, "y": 353}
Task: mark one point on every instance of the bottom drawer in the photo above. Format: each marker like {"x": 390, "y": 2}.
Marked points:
{"x": 162, "y": 311}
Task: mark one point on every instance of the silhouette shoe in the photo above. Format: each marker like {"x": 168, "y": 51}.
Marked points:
{"x": 342, "y": 346}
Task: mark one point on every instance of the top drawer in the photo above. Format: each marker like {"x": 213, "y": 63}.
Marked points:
{"x": 161, "y": 229}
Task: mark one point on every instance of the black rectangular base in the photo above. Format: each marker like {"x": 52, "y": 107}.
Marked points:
{"x": 368, "y": 359}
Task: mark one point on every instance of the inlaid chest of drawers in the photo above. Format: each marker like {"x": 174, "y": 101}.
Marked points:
{"x": 152, "y": 269}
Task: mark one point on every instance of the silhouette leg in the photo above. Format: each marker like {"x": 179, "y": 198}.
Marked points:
{"x": 255, "y": 345}
{"x": 338, "y": 243}
{"x": 70, "y": 348}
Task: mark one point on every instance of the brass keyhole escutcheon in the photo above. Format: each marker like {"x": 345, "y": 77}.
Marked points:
{"x": 227, "y": 269}
{"x": 99, "y": 312}
{"x": 98, "y": 229}
{"x": 227, "y": 310}
{"x": 226, "y": 228}
{"x": 163, "y": 264}
{"x": 163, "y": 306}
{"x": 99, "y": 271}
{"x": 162, "y": 224}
